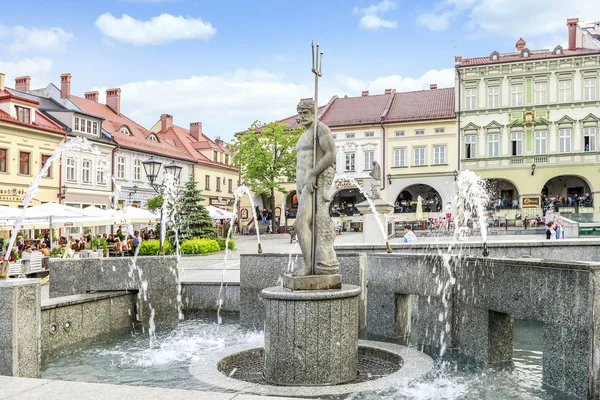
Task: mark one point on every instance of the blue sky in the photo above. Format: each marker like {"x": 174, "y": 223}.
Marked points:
{"x": 226, "y": 63}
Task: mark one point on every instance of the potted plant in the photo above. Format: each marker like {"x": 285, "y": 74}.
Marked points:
{"x": 100, "y": 242}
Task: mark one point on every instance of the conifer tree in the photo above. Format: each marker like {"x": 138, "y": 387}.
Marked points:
{"x": 192, "y": 218}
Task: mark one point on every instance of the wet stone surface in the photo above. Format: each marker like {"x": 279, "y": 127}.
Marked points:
{"x": 248, "y": 366}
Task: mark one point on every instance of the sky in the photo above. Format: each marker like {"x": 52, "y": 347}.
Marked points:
{"x": 228, "y": 63}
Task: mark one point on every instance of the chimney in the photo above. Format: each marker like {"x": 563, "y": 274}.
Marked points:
{"x": 433, "y": 86}
{"x": 365, "y": 93}
{"x": 1, "y": 81}
{"x": 65, "y": 86}
{"x": 219, "y": 141}
{"x": 93, "y": 96}
{"x": 22, "y": 83}
{"x": 166, "y": 122}
{"x": 113, "y": 100}
{"x": 388, "y": 91}
{"x": 520, "y": 44}
{"x": 196, "y": 130}
{"x": 457, "y": 59}
{"x": 572, "y": 24}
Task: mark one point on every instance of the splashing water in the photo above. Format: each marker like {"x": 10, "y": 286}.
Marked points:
{"x": 471, "y": 193}
{"x": 74, "y": 144}
{"x": 369, "y": 200}
{"x": 239, "y": 192}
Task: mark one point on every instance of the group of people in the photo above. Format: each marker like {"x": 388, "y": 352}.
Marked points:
{"x": 555, "y": 230}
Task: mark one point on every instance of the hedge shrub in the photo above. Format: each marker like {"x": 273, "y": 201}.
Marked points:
{"x": 152, "y": 248}
{"x": 199, "y": 246}
{"x": 222, "y": 244}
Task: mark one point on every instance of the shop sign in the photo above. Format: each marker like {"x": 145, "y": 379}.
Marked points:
{"x": 345, "y": 184}
{"x": 68, "y": 224}
{"x": 11, "y": 194}
{"x": 531, "y": 202}
{"x": 219, "y": 201}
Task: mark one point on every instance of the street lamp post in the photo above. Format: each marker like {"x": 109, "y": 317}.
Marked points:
{"x": 152, "y": 169}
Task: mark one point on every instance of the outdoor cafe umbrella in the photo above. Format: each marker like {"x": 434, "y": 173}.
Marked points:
{"x": 219, "y": 213}
{"x": 419, "y": 211}
{"x": 135, "y": 215}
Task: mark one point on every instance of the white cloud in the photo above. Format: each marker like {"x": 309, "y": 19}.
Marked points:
{"x": 504, "y": 18}
{"x": 21, "y": 39}
{"x": 158, "y": 30}
{"x": 374, "y": 22}
{"x": 443, "y": 78}
{"x": 371, "y": 15}
{"x": 37, "y": 68}
{"x": 230, "y": 102}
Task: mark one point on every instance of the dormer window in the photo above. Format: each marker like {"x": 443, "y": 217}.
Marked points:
{"x": 23, "y": 114}
{"x": 558, "y": 50}
{"x": 525, "y": 53}
{"x": 495, "y": 56}
{"x": 152, "y": 138}
{"x": 85, "y": 126}
{"x": 125, "y": 131}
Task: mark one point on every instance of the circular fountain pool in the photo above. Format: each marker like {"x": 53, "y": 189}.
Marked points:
{"x": 380, "y": 366}
{"x": 126, "y": 358}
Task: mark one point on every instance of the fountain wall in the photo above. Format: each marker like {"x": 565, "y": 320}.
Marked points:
{"x": 566, "y": 250}
{"x": 473, "y": 315}
{"x": 84, "y": 275}
{"x": 20, "y": 349}
{"x": 71, "y": 319}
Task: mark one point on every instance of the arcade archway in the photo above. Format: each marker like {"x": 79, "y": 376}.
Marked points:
{"x": 568, "y": 191}
{"x": 291, "y": 204}
{"x": 344, "y": 202}
{"x": 406, "y": 201}
{"x": 503, "y": 194}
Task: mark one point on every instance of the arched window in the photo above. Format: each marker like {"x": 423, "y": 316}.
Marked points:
{"x": 125, "y": 130}
{"x": 153, "y": 138}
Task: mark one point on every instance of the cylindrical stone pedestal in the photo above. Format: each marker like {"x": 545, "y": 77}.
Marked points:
{"x": 311, "y": 336}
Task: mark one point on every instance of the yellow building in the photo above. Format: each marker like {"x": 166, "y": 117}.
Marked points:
{"x": 421, "y": 151}
{"x": 411, "y": 135}
{"x": 27, "y": 140}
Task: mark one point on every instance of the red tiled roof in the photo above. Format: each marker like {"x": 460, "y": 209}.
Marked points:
{"x": 362, "y": 110}
{"x": 366, "y": 110}
{"x": 290, "y": 122}
{"x": 422, "y": 105}
{"x": 182, "y": 139}
{"x": 41, "y": 122}
{"x": 138, "y": 139}
{"x": 513, "y": 57}
{"x": 6, "y": 95}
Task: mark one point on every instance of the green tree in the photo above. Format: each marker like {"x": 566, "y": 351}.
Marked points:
{"x": 192, "y": 218}
{"x": 266, "y": 157}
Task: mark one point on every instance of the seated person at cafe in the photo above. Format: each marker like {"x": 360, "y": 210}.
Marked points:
{"x": 45, "y": 251}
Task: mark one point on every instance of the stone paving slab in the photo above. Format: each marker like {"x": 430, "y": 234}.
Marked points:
{"x": 43, "y": 389}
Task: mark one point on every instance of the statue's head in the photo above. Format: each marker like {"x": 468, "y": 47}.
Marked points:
{"x": 306, "y": 112}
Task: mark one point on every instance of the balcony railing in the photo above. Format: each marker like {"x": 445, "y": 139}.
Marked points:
{"x": 518, "y": 162}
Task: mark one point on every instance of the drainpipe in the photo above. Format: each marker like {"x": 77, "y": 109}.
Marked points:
{"x": 458, "y": 122}
{"x": 60, "y": 171}
{"x": 112, "y": 182}
{"x": 384, "y": 177}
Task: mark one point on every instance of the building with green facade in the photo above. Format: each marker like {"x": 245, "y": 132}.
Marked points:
{"x": 528, "y": 121}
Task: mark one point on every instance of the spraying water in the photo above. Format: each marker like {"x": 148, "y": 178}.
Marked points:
{"x": 369, "y": 200}
{"x": 74, "y": 144}
{"x": 239, "y": 192}
{"x": 471, "y": 194}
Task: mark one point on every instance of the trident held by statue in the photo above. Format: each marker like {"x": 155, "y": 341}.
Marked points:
{"x": 317, "y": 64}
